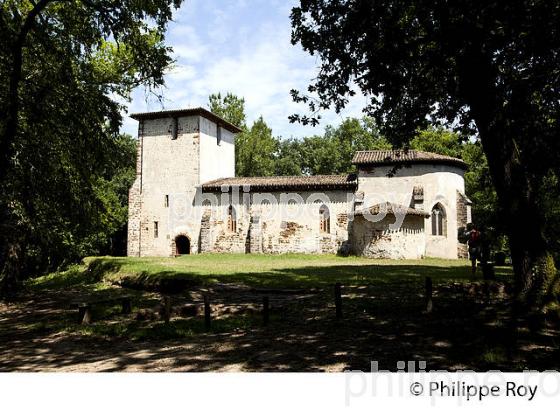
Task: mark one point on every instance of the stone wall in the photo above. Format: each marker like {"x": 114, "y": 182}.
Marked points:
{"x": 272, "y": 223}
{"x": 135, "y": 203}
{"x": 463, "y": 218}
{"x": 378, "y": 240}
{"x": 439, "y": 184}
{"x": 167, "y": 192}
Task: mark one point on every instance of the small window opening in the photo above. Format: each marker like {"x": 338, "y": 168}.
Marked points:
{"x": 174, "y": 128}
{"x": 324, "y": 219}
{"x": 232, "y": 219}
{"x": 439, "y": 221}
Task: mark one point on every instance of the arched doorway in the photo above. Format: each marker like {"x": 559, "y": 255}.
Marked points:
{"x": 182, "y": 245}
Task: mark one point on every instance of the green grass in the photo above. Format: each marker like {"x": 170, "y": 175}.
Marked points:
{"x": 270, "y": 271}
{"x": 387, "y": 312}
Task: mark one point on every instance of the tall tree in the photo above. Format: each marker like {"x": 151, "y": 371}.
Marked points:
{"x": 255, "y": 147}
{"x": 288, "y": 157}
{"x": 487, "y": 66}
{"x": 230, "y": 107}
{"x": 111, "y": 189}
{"x": 439, "y": 140}
{"x": 256, "y": 150}
{"x": 332, "y": 152}
{"x": 61, "y": 62}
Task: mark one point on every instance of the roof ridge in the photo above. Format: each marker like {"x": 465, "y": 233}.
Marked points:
{"x": 288, "y": 181}
{"x": 289, "y": 176}
{"x": 204, "y": 112}
{"x": 402, "y": 156}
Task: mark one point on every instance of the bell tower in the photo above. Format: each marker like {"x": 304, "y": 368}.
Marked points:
{"x": 177, "y": 151}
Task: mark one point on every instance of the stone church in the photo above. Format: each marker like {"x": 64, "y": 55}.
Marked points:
{"x": 186, "y": 199}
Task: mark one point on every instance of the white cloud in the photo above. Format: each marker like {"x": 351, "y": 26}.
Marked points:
{"x": 256, "y": 61}
{"x": 187, "y": 45}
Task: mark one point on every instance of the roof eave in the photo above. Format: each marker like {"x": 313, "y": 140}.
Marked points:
{"x": 185, "y": 113}
{"x": 458, "y": 163}
{"x": 285, "y": 187}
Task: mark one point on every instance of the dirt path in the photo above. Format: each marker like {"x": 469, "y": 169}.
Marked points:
{"x": 39, "y": 333}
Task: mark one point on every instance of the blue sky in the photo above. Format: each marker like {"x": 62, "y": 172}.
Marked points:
{"x": 241, "y": 46}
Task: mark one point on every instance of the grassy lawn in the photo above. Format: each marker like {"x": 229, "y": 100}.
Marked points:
{"x": 271, "y": 271}
{"x": 384, "y": 316}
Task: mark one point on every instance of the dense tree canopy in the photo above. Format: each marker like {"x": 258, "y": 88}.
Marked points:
{"x": 230, "y": 107}
{"x": 255, "y": 150}
{"x": 254, "y": 146}
{"x": 490, "y": 67}
{"x": 333, "y": 152}
{"x": 259, "y": 153}
{"x": 63, "y": 67}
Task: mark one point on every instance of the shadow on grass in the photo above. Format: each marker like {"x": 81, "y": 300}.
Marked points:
{"x": 87, "y": 273}
{"x": 161, "y": 279}
{"x": 306, "y": 277}
{"x": 383, "y": 320}
{"x": 177, "y": 329}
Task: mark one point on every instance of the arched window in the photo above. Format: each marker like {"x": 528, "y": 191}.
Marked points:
{"x": 324, "y": 219}
{"x": 439, "y": 220}
{"x": 232, "y": 219}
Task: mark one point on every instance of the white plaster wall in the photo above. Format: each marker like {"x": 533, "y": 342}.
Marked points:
{"x": 440, "y": 182}
{"x": 169, "y": 167}
{"x": 216, "y": 160}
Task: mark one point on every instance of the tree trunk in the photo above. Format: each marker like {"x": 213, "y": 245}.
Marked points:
{"x": 533, "y": 265}
{"x": 10, "y": 265}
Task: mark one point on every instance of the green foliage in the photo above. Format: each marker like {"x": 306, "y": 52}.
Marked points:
{"x": 64, "y": 168}
{"x": 333, "y": 152}
{"x": 112, "y": 191}
{"x": 230, "y": 107}
{"x": 486, "y": 68}
{"x": 255, "y": 150}
{"x": 255, "y": 147}
{"x": 550, "y": 202}
{"x": 439, "y": 140}
{"x": 478, "y": 185}
{"x": 289, "y": 158}
{"x": 258, "y": 153}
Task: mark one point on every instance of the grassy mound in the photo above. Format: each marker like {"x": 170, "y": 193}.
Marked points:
{"x": 268, "y": 271}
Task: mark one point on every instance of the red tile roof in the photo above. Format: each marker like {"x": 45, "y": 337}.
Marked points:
{"x": 393, "y": 157}
{"x": 292, "y": 183}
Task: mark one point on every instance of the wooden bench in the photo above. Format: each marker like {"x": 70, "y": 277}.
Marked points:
{"x": 85, "y": 308}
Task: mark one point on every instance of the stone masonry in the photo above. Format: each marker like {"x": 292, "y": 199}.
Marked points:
{"x": 186, "y": 199}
